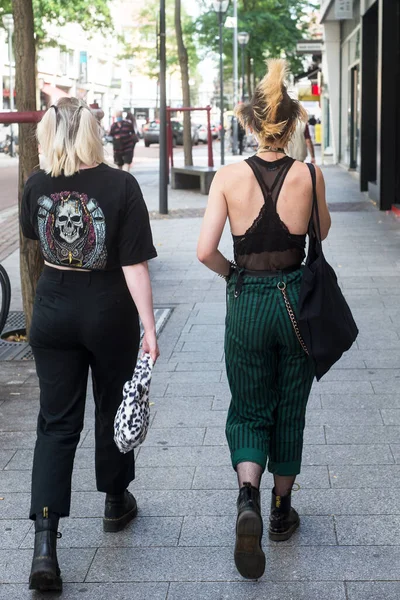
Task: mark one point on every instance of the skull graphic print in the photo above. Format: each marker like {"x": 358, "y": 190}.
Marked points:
{"x": 72, "y": 230}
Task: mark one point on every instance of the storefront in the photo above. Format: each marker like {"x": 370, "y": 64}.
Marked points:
{"x": 363, "y": 73}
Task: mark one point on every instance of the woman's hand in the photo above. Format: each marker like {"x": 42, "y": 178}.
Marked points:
{"x": 150, "y": 345}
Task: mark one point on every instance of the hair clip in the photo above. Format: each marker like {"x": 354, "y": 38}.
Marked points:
{"x": 55, "y": 108}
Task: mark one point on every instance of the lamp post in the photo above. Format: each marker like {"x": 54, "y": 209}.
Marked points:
{"x": 163, "y": 198}
{"x": 8, "y": 22}
{"x": 220, "y": 7}
{"x": 243, "y": 38}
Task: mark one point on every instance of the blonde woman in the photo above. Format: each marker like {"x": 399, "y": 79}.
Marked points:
{"x": 94, "y": 233}
{"x": 268, "y": 201}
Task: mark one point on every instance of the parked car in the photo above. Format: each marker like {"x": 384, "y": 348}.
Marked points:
{"x": 203, "y": 135}
{"x": 152, "y": 134}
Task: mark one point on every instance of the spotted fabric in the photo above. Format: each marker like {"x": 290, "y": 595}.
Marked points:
{"x": 133, "y": 416}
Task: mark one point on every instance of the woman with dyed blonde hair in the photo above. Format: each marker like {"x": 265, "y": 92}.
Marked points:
{"x": 268, "y": 201}
{"x": 94, "y": 233}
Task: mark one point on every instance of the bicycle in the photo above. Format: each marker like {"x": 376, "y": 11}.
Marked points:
{"x": 5, "y": 297}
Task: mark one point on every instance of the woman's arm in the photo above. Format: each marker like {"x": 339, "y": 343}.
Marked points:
{"x": 212, "y": 228}
{"x": 138, "y": 281}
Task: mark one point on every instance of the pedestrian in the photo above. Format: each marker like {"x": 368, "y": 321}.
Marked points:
{"x": 123, "y": 136}
{"x": 135, "y": 138}
{"x": 94, "y": 233}
{"x": 301, "y": 143}
{"x": 312, "y": 121}
{"x": 241, "y": 135}
{"x": 267, "y": 199}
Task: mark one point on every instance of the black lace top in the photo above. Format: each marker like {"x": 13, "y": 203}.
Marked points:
{"x": 268, "y": 244}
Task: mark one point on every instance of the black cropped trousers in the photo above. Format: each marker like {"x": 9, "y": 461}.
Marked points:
{"x": 80, "y": 320}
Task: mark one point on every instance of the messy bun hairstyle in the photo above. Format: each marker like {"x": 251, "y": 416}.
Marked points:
{"x": 69, "y": 136}
{"x": 272, "y": 113}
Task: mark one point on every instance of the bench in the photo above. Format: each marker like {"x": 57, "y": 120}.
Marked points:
{"x": 191, "y": 178}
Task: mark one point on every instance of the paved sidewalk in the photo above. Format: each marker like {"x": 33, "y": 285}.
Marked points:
{"x": 181, "y": 545}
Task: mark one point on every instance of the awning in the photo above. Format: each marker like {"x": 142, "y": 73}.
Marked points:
{"x": 54, "y": 92}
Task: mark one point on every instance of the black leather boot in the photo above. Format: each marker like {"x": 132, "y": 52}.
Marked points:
{"x": 120, "y": 509}
{"x": 249, "y": 557}
{"x": 284, "y": 520}
{"x": 45, "y": 573}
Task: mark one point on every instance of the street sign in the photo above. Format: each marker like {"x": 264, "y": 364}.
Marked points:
{"x": 343, "y": 9}
{"x": 310, "y": 47}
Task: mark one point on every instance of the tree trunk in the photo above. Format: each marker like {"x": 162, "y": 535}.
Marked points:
{"x": 184, "y": 65}
{"x": 31, "y": 262}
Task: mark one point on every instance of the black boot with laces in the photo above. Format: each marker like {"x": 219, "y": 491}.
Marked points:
{"x": 249, "y": 556}
{"x": 284, "y": 520}
{"x": 45, "y": 573}
{"x": 119, "y": 510}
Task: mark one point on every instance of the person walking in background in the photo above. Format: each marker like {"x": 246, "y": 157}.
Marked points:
{"x": 301, "y": 143}
{"x": 123, "y": 135}
{"x": 131, "y": 117}
{"x": 94, "y": 232}
{"x": 268, "y": 201}
{"x": 312, "y": 121}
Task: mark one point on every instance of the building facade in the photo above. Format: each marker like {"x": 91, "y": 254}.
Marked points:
{"x": 362, "y": 72}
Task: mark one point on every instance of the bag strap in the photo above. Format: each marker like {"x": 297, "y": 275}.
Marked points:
{"x": 315, "y": 212}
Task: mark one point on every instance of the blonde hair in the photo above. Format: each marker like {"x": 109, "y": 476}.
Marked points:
{"x": 272, "y": 113}
{"x": 69, "y": 136}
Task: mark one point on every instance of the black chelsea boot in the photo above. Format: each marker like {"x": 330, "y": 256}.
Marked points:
{"x": 45, "y": 573}
{"x": 120, "y": 509}
{"x": 283, "y": 520}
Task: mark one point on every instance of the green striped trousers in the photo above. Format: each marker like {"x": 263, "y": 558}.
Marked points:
{"x": 269, "y": 375}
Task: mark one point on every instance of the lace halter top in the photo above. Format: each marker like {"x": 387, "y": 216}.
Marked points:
{"x": 268, "y": 244}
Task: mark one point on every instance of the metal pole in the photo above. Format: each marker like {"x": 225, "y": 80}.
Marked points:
{"x": 221, "y": 76}
{"x": 163, "y": 207}
{"x": 235, "y": 76}
{"x": 11, "y": 88}
{"x": 243, "y": 87}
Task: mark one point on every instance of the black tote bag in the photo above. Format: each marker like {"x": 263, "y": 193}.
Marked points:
{"x": 323, "y": 316}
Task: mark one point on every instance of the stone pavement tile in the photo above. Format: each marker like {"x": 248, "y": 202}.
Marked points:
{"x": 395, "y": 448}
{"x": 165, "y": 367}
{"x": 195, "y": 376}
{"x": 343, "y": 387}
{"x": 215, "y": 436}
{"x": 202, "y": 346}
{"x": 361, "y": 401}
{"x": 215, "y": 356}
{"x": 183, "y": 403}
{"x": 203, "y": 367}
{"x": 142, "y": 532}
{"x": 349, "y": 502}
{"x": 224, "y": 478}
{"x": 90, "y": 591}
{"x": 383, "y": 360}
{"x": 183, "y": 457}
{"x": 5, "y": 457}
{"x": 259, "y": 590}
{"x": 349, "y": 361}
{"x": 13, "y": 532}
{"x": 391, "y": 416}
{"x": 220, "y": 531}
{"x": 15, "y": 564}
{"x": 372, "y": 375}
{"x": 187, "y": 418}
{"x": 334, "y": 563}
{"x": 347, "y": 454}
{"x": 164, "y": 437}
{"x": 12, "y": 440}
{"x": 18, "y": 416}
{"x": 14, "y": 481}
{"x": 378, "y": 343}
{"x": 362, "y": 434}
{"x": 373, "y": 476}
{"x": 14, "y": 505}
{"x": 163, "y": 478}
{"x": 373, "y": 590}
{"x": 22, "y": 460}
{"x": 340, "y": 416}
{"x": 364, "y": 530}
{"x": 163, "y": 564}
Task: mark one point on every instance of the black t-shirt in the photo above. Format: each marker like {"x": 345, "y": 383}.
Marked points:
{"x": 96, "y": 219}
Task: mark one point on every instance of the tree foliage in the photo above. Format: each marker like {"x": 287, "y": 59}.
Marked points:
{"x": 144, "y": 43}
{"x": 92, "y": 15}
{"x": 275, "y": 27}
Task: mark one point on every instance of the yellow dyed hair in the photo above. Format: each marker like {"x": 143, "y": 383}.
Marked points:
{"x": 272, "y": 113}
{"x": 69, "y": 135}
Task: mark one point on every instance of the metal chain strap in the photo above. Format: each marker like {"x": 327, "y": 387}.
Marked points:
{"x": 282, "y": 288}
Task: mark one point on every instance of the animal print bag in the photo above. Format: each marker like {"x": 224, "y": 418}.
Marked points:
{"x": 133, "y": 415}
